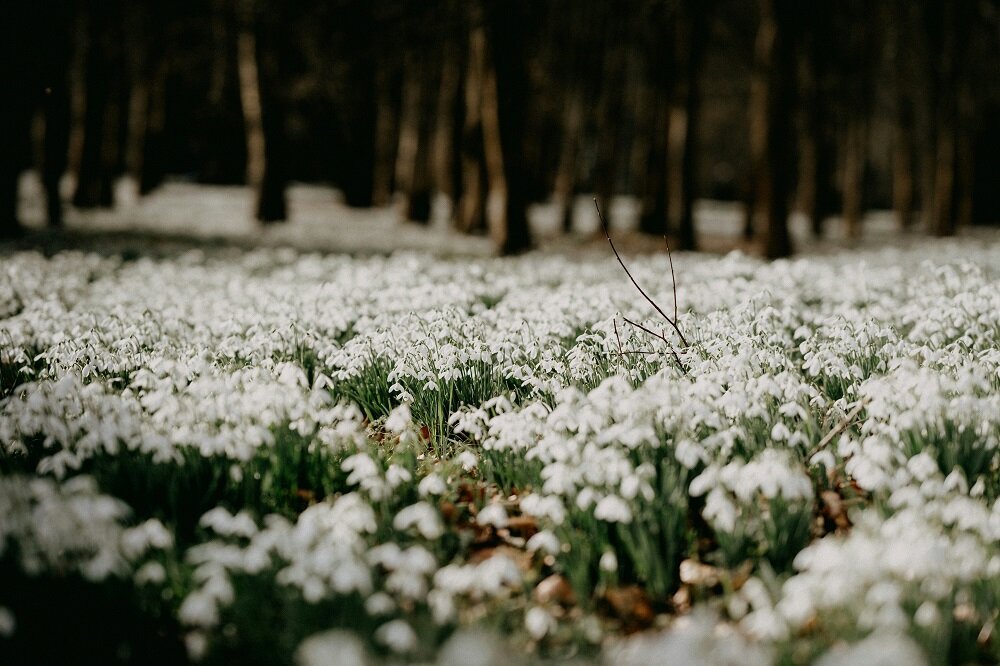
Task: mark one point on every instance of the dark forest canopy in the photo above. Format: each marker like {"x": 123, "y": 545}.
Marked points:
{"x": 829, "y": 108}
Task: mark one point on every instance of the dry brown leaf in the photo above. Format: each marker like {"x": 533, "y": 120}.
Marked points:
{"x": 521, "y": 558}
{"x": 835, "y": 509}
{"x": 700, "y": 574}
{"x": 555, "y": 589}
{"x": 631, "y": 605}
{"x": 525, "y": 526}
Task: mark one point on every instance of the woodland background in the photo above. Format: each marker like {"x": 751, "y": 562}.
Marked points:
{"x": 827, "y": 108}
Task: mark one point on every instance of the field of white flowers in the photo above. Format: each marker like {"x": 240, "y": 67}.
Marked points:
{"x": 272, "y": 457}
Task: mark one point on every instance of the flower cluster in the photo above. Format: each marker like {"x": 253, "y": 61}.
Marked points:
{"x": 388, "y": 449}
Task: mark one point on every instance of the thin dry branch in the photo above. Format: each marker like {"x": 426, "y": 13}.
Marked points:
{"x": 840, "y": 427}
{"x": 673, "y": 280}
{"x": 677, "y": 358}
{"x": 672, "y": 322}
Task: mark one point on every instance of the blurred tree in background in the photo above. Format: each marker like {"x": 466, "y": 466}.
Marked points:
{"x": 828, "y": 108}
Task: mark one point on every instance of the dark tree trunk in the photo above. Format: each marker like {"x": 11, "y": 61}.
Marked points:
{"x": 504, "y": 93}
{"x": 855, "y": 158}
{"x": 360, "y": 102}
{"x": 653, "y": 212}
{"x": 386, "y": 130}
{"x": 770, "y": 126}
{"x": 564, "y": 188}
{"x": 272, "y": 203}
{"x": 101, "y": 119}
{"x": 14, "y": 125}
{"x": 904, "y": 117}
{"x": 947, "y": 25}
{"x": 153, "y": 166}
{"x": 413, "y": 155}
{"x": 691, "y": 32}
{"x": 816, "y": 155}
{"x": 471, "y": 209}
{"x": 447, "y": 130}
{"x": 607, "y": 127}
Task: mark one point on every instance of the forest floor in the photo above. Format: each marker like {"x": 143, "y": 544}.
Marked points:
{"x": 180, "y": 215}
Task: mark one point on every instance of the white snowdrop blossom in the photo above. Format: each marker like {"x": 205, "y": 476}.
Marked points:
{"x": 492, "y": 514}
{"x": 423, "y": 516}
{"x": 397, "y": 635}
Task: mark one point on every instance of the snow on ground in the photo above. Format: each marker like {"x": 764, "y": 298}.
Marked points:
{"x": 319, "y": 221}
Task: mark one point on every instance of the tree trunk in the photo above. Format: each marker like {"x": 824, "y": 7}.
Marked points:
{"x": 855, "y": 156}
{"x": 386, "y": 132}
{"x": 691, "y": 28}
{"x": 904, "y": 120}
{"x": 653, "y": 212}
{"x": 101, "y": 119}
{"x": 250, "y": 101}
{"x": 153, "y": 167}
{"x": 446, "y": 157}
{"x": 359, "y": 101}
{"x": 413, "y": 154}
{"x": 902, "y": 163}
{"x": 770, "y": 126}
{"x": 504, "y": 92}
{"x": 607, "y": 121}
{"x": 564, "y": 188}
{"x": 471, "y": 209}
{"x": 815, "y": 152}
{"x": 15, "y": 121}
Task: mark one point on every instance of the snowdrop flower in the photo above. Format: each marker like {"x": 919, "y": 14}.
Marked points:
{"x": 7, "y": 622}
{"x": 432, "y": 484}
{"x": 360, "y": 466}
{"x": 223, "y": 523}
{"x": 883, "y": 649}
{"x": 333, "y": 646}
{"x": 422, "y": 515}
{"x": 544, "y": 541}
{"x": 397, "y": 635}
{"x": 396, "y": 475}
{"x": 196, "y": 644}
{"x": 493, "y": 514}
{"x": 150, "y": 573}
{"x": 399, "y": 419}
{"x": 613, "y": 509}
{"x": 468, "y": 460}
{"x": 379, "y": 603}
{"x": 539, "y": 622}
{"x": 608, "y": 562}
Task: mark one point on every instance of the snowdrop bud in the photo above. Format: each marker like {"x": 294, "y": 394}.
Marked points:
{"x": 196, "y": 644}
{"x": 609, "y": 561}
{"x": 151, "y": 573}
{"x": 379, "y": 603}
{"x": 334, "y": 646}
{"x": 539, "y": 622}
{"x": 927, "y": 615}
{"x": 7, "y": 623}
{"x": 397, "y": 635}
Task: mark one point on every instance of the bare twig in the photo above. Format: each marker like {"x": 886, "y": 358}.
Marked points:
{"x": 673, "y": 280}
{"x": 618, "y": 337}
{"x": 672, "y": 322}
{"x": 840, "y": 427}
{"x": 677, "y": 358}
